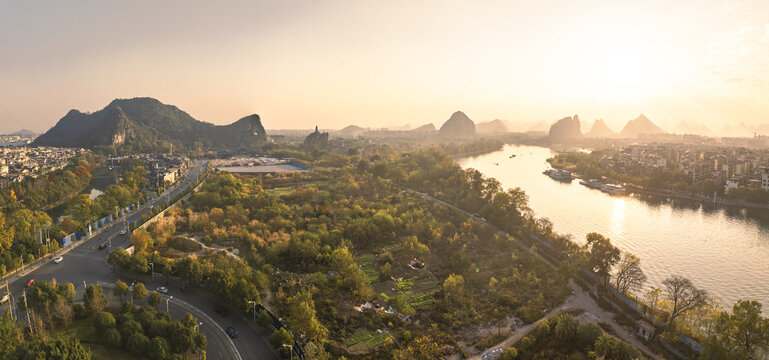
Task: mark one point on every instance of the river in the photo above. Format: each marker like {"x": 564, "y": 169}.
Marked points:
{"x": 722, "y": 250}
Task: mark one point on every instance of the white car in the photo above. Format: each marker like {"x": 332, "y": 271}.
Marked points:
{"x": 4, "y": 299}
{"x": 122, "y": 232}
{"x": 162, "y": 290}
{"x": 58, "y": 259}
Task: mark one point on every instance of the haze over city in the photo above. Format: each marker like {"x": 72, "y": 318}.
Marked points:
{"x": 375, "y": 64}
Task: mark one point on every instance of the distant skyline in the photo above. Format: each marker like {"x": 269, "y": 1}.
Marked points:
{"x": 377, "y": 64}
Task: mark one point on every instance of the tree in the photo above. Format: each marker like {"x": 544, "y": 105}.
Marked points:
{"x": 121, "y": 289}
{"x": 385, "y": 272}
{"x": 63, "y": 311}
{"x": 154, "y": 299}
{"x": 112, "y": 337}
{"x": 302, "y": 318}
{"x": 454, "y": 290}
{"x": 628, "y": 274}
{"x": 601, "y": 255}
{"x": 566, "y": 329}
{"x": 281, "y": 337}
{"x": 94, "y": 299}
{"x": 10, "y": 334}
{"x": 139, "y": 292}
{"x": 140, "y": 239}
{"x": 510, "y": 353}
{"x": 119, "y": 258}
{"x": 158, "y": 348}
{"x": 103, "y": 321}
{"x": 743, "y": 334}
{"x": 683, "y": 296}
{"x": 55, "y": 349}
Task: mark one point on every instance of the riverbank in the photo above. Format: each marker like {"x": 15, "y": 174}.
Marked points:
{"x": 724, "y": 201}
{"x": 670, "y": 237}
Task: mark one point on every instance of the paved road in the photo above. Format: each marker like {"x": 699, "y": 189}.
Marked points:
{"x": 86, "y": 263}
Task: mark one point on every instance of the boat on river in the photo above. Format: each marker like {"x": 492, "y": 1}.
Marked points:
{"x": 560, "y": 175}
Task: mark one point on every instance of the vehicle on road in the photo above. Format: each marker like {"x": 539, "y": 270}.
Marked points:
{"x": 4, "y": 299}
{"x": 102, "y": 246}
{"x": 31, "y": 281}
{"x": 162, "y": 290}
{"x": 58, "y": 260}
{"x": 231, "y": 332}
{"x": 221, "y": 310}
{"x": 122, "y": 232}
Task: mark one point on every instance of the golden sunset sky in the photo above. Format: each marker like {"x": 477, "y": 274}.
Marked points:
{"x": 389, "y": 63}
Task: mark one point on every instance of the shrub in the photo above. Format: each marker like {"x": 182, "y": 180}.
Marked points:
{"x": 103, "y": 321}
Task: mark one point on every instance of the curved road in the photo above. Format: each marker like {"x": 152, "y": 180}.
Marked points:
{"x": 87, "y": 264}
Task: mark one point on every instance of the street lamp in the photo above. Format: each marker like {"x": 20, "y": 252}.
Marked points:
{"x": 167, "y": 300}
{"x": 290, "y": 350}
{"x": 152, "y": 269}
{"x": 253, "y": 303}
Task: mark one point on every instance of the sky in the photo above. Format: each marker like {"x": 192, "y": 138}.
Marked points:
{"x": 388, "y": 63}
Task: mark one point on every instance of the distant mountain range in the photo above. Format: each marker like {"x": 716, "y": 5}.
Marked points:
{"x": 600, "y": 130}
{"x": 457, "y": 126}
{"x": 26, "y": 133}
{"x": 566, "y": 128}
{"x": 493, "y": 127}
{"x": 638, "y": 126}
{"x": 692, "y": 128}
{"x": 146, "y": 124}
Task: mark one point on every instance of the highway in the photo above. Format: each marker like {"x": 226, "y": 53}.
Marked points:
{"x": 87, "y": 264}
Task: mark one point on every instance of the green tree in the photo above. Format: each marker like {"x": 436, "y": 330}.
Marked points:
{"x": 10, "y": 334}
{"x": 566, "y": 328}
{"x": 158, "y": 348}
{"x": 601, "y": 255}
{"x": 53, "y": 349}
{"x": 155, "y": 299}
{"x": 139, "y": 292}
{"x": 119, "y": 258}
{"x": 743, "y": 334}
{"x": 510, "y": 353}
{"x": 281, "y": 337}
{"x": 302, "y": 317}
{"x": 103, "y": 321}
{"x": 454, "y": 290}
{"x": 385, "y": 272}
{"x": 121, "y": 289}
{"x": 112, "y": 337}
{"x": 94, "y": 299}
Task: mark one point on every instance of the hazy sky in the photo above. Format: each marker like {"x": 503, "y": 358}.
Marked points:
{"x": 378, "y": 63}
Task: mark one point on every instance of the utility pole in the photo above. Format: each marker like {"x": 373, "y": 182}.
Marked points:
{"x": 10, "y": 300}
{"x": 167, "y": 300}
{"x": 27, "y": 309}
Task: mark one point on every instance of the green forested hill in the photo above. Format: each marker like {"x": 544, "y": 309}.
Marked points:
{"x": 144, "y": 124}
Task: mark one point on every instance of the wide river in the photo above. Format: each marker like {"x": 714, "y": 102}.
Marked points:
{"x": 722, "y": 250}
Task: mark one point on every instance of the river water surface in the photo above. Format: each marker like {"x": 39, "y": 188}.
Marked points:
{"x": 722, "y": 250}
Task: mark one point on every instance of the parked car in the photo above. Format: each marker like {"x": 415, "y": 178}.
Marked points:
{"x": 31, "y": 281}
{"x": 58, "y": 259}
{"x": 102, "y": 245}
{"x": 162, "y": 290}
{"x": 221, "y": 310}
{"x": 122, "y": 232}
{"x": 231, "y": 332}
{"x": 4, "y": 299}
